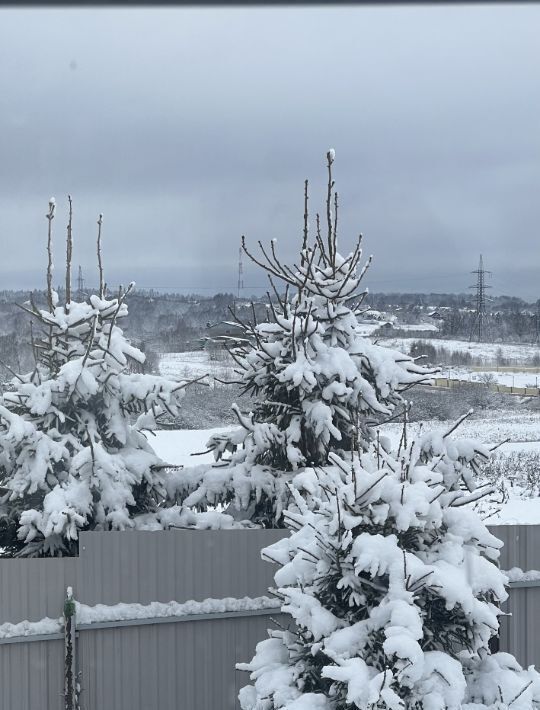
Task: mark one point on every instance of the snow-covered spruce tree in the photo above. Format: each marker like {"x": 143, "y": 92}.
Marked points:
{"x": 318, "y": 383}
{"x": 73, "y": 455}
{"x": 392, "y": 582}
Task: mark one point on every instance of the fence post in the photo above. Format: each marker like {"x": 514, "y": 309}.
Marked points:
{"x": 71, "y": 686}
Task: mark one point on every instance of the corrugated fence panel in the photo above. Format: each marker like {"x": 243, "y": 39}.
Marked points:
{"x": 519, "y": 631}
{"x": 177, "y": 564}
{"x": 186, "y": 665}
{"x": 521, "y": 545}
{"x": 31, "y": 676}
{"x": 179, "y": 666}
{"x": 34, "y": 588}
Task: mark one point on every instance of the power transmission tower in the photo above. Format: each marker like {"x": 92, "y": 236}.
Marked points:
{"x": 478, "y": 325}
{"x": 537, "y": 322}
{"x": 80, "y": 284}
{"x": 240, "y": 273}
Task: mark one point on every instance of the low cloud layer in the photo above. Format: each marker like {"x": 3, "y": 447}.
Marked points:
{"x": 190, "y": 127}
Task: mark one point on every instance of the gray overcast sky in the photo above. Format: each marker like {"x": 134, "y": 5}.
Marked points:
{"x": 187, "y": 127}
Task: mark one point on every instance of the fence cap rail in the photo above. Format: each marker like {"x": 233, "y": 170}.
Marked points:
{"x": 144, "y": 622}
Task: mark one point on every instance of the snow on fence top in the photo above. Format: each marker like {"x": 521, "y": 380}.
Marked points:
{"x": 100, "y": 613}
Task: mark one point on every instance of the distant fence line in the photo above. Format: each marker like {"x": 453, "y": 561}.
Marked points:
{"x": 143, "y": 664}
{"x": 504, "y": 368}
{"x": 451, "y": 382}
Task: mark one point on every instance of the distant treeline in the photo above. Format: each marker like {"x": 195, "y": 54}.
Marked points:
{"x": 171, "y": 322}
{"x": 423, "y": 301}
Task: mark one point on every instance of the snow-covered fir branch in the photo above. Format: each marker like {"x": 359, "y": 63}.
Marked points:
{"x": 73, "y": 453}
{"x": 394, "y": 590}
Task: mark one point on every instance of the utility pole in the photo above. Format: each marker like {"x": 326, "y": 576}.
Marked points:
{"x": 80, "y": 284}
{"x": 480, "y": 302}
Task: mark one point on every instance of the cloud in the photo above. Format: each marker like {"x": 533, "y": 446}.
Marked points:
{"x": 188, "y": 127}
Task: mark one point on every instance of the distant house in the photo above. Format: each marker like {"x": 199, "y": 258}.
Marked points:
{"x": 372, "y": 314}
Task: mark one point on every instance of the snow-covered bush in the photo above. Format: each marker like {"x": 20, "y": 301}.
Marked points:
{"x": 319, "y": 385}
{"x": 392, "y": 582}
{"x": 73, "y": 453}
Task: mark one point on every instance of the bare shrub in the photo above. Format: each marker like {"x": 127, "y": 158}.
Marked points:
{"x": 439, "y": 355}
{"x": 535, "y": 360}
{"x": 500, "y": 359}
{"x": 516, "y": 468}
{"x": 487, "y": 378}
{"x": 205, "y": 407}
{"x": 217, "y": 351}
{"x": 430, "y": 403}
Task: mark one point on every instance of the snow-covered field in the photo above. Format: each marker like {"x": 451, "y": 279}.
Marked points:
{"x": 194, "y": 364}
{"x": 509, "y": 379}
{"x": 486, "y": 352}
{"x": 368, "y": 328}
{"x": 522, "y": 430}
{"x": 496, "y": 426}
{"x": 431, "y": 327}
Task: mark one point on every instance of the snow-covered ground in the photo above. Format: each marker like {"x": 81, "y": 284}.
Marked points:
{"x": 516, "y": 511}
{"x": 177, "y": 446}
{"x": 487, "y": 352}
{"x": 195, "y": 363}
{"x": 510, "y": 379}
{"x": 494, "y": 427}
{"x": 368, "y": 328}
{"x": 416, "y": 326}
{"x": 522, "y": 429}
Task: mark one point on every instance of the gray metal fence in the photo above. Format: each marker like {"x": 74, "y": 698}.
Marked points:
{"x": 520, "y": 632}
{"x": 180, "y": 663}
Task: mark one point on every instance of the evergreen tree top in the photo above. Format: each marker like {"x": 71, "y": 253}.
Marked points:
{"x": 73, "y": 453}
{"x": 319, "y": 383}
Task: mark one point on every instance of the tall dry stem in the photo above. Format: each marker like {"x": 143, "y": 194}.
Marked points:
{"x": 69, "y": 251}
{"x": 100, "y": 263}
{"x": 50, "y": 217}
